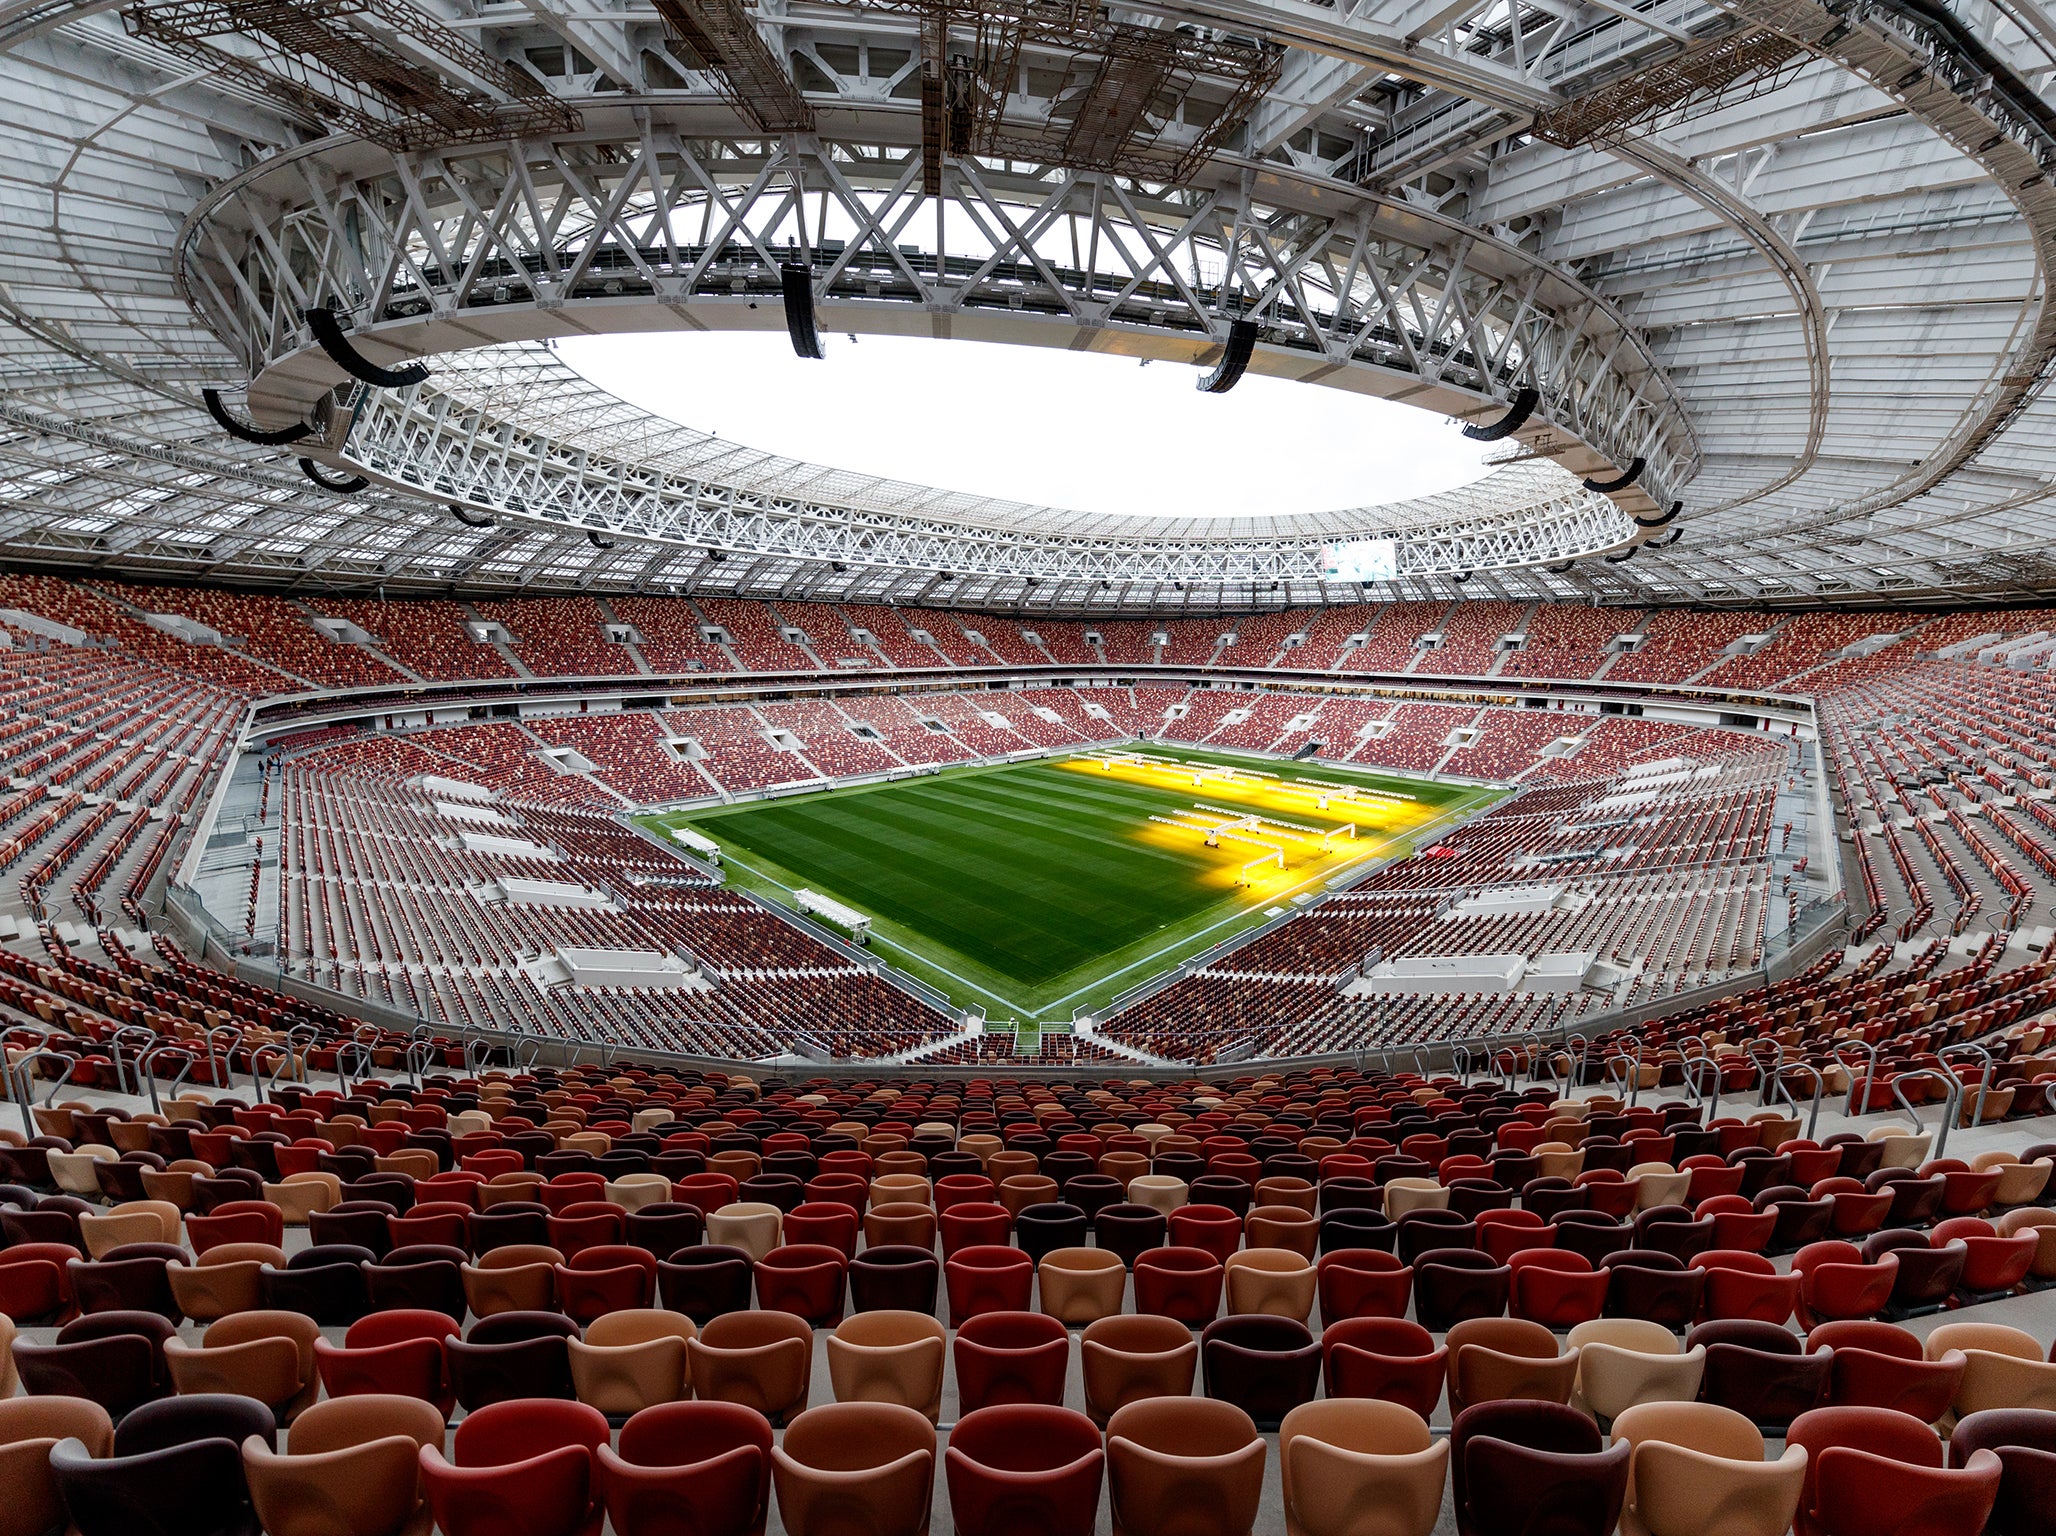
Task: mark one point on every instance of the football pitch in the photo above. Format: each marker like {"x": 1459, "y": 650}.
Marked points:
{"x": 1034, "y": 889}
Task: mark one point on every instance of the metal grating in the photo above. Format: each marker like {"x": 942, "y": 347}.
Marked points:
{"x": 380, "y": 69}
{"x": 725, "y": 44}
{"x": 1721, "y": 71}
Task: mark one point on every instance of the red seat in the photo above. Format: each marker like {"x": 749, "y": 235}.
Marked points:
{"x": 805, "y": 1279}
{"x": 560, "y": 1194}
{"x": 987, "y": 1278}
{"x": 972, "y": 1224}
{"x": 436, "y": 1223}
{"x": 1387, "y": 1358}
{"x": 1737, "y": 1225}
{"x": 1992, "y": 1264}
{"x": 1873, "y": 1472}
{"x": 399, "y": 1352}
{"x": 689, "y": 1469}
{"x": 1024, "y": 1469}
{"x": 239, "y": 1221}
{"x": 1502, "y": 1234}
{"x": 708, "y": 1191}
{"x": 35, "y": 1283}
{"x": 584, "y": 1224}
{"x": 1857, "y": 1212}
{"x": 1834, "y": 1282}
{"x": 1362, "y": 1282}
{"x": 1183, "y": 1283}
{"x": 612, "y": 1277}
{"x": 1010, "y": 1357}
{"x": 1880, "y": 1365}
{"x": 1556, "y": 1289}
{"x": 518, "y": 1468}
{"x": 828, "y": 1224}
{"x": 1214, "y": 1228}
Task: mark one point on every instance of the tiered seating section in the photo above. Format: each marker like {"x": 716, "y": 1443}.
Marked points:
{"x": 483, "y": 1300}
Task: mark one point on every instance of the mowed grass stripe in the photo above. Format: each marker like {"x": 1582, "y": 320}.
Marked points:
{"x": 1031, "y": 880}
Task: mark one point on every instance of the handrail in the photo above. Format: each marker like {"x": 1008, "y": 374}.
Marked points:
{"x": 484, "y": 1048}
{"x": 1461, "y": 1060}
{"x": 1695, "y": 1084}
{"x": 1629, "y": 1077}
{"x": 1534, "y": 1057}
{"x": 342, "y": 1063}
{"x": 1952, "y": 1100}
{"x": 1984, "y": 1083}
{"x": 419, "y": 1054}
{"x": 1579, "y": 1056}
{"x": 28, "y": 1092}
{"x": 1422, "y": 1066}
{"x": 267, "y": 1090}
{"x": 223, "y": 1068}
{"x": 1820, "y": 1089}
{"x": 1867, "y": 1077}
{"x": 114, "y": 1039}
{"x": 144, "y": 1061}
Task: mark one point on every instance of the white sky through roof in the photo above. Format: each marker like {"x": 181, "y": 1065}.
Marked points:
{"x": 1079, "y": 430}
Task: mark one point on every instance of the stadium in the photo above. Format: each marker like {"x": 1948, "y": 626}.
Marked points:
{"x": 1173, "y": 768}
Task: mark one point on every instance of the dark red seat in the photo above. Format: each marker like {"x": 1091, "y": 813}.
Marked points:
{"x": 1525, "y": 1468}
{"x": 1387, "y": 1358}
{"x": 1264, "y": 1365}
{"x": 1362, "y": 1282}
{"x": 1215, "y": 1228}
{"x": 1992, "y": 1265}
{"x": 1760, "y": 1370}
{"x": 511, "y": 1355}
{"x": 1453, "y": 1284}
{"x": 1738, "y": 1226}
{"x": 987, "y": 1278}
{"x": 1928, "y": 1275}
{"x": 1024, "y": 1469}
{"x": 421, "y": 1276}
{"x": 706, "y": 1281}
{"x": 178, "y": 1472}
{"x": 805, "y": 1279}
{"x": 1655, "y": 1287}
{"x": 894, "y": 1277}
{"x": 688, "y": 1469}
{"x": 2024, "y": 1439}
{"x": 1010, "y": 1357}
{"x": 1879, "y": 1365}
{"x": 1184, "y": 1283}
{"x": 400, "y": 1353}
{"x": 1556, "y": 1289}
{"x": 823, "y": 1224}
{"x": 518, "y": 1469}
{"x": 1873, "y": 1472}
{"x": 605, "y": 1278}
{"x": 1836, "y": 1282}
{"x": 115, "y": 1359}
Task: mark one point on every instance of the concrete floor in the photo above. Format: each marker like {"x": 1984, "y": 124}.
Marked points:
{"x": 2034, "y": 1313}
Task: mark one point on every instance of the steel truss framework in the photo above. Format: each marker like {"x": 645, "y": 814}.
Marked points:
{"x": 587, "y": 233}
{"x": 1840, "y": 284}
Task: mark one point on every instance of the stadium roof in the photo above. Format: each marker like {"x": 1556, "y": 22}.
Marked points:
{"x": 1781, "y": 263}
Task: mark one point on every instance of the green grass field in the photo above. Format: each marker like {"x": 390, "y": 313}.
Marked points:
{"x": 1034, "y": 889}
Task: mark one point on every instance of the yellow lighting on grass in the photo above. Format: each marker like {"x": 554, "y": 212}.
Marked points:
{"x": 1219, "y": 792}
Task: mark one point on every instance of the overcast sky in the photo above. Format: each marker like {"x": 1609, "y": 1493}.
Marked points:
{"x": 1068, "y": 429}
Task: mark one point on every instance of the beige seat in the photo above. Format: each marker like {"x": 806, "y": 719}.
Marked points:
{"x": 2042, "y": 1222}
{"x": 506, "y": 1188}
{"x": 1698, "y": 1470}
{"x": 849, "y": 1468}
{"x": 751, "y": 1225}
{"x": 1624, "y": 1361}
{"x": 632, "y": 1359}
{"x": 1905, "y": 1146}
{"x": 1413, "y": 1194}
{"x": 632, "y": 1191}
{"x": 1658, "y": 1184}
{"x": 519, "y": 1277}
{"x": 902, "y": 1189}
{"x": 889, "y": 1357}
{"x": 1184, "y": 1466}
{"x": 350, "y": 1469}
{"x": 1078, "y": 1285}
{"x": 72, "y": 1172}
{"x": 762, "y": 1360}
{"x": 981, "y": 1145}
{"x": 1271, "y": 1280}
{"x": 1559, "y": 1160}
{"x": 1360, "y": 1467}
{"x": 300, "y": 1195}
{"x": 909, "y": 1223}
{"x": 2002, "y": 1367}
{"x": 29, "y": 1426}
{"x": 133, "y": 1221}
{"x": 10, "y": 1377}
{"x": 225, "y": 1279}
{"x": 1134, "y": 1356}
{"x": 1491, "y": 1358}
{"x": 261, "y": 1354}
{"x": 1018, "y": 1191}
{"x": 1160, "y": 1191}
{"x": 2019, "y": 1183}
